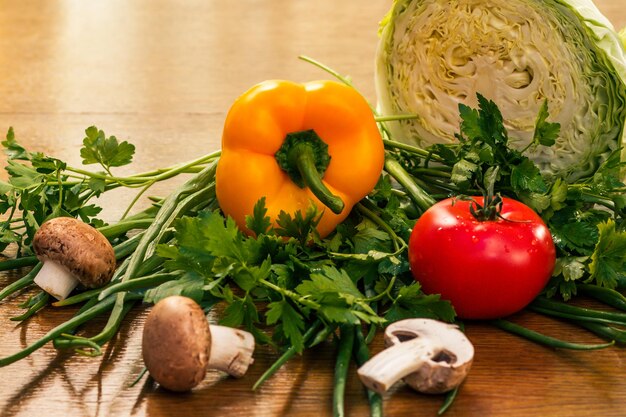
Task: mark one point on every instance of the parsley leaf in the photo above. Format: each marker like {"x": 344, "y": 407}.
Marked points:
{"x": 106, "y": 151}
{"x": 291, "y": 323}
{"x": 299, "y": 226}
{"x": 13, "y": 149}
{"x": 411, "y": 302}
{"x": 259, "y": 222}
{"x": 545, "y": 133}
{"x": 189, "y": 285}
{"x": 608, "y": 261}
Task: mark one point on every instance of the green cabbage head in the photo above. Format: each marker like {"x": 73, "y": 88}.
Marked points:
{"x": 435, "y": 54}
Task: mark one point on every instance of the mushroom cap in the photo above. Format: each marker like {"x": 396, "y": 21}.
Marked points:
{"x": 77, "y": 246}
{"x": 176, "y": 343}
{"x": 446, "y": 364}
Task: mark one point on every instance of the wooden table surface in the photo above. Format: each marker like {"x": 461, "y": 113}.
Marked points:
{"x": 162, "y": 75}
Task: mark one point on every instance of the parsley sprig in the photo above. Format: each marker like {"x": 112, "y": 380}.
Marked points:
{"x": 42, "y": 187}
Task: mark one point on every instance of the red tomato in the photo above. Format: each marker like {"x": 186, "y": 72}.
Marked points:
{"x": 487, "y": 269}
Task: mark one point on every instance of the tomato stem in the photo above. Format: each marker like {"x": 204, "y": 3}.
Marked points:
{"x": 489, "y": 211}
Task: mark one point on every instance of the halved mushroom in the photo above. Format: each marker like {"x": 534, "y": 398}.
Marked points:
{"x": 179, "y": 345}
{"x": 72, "y": 252}
{"x": 431, "y": 356}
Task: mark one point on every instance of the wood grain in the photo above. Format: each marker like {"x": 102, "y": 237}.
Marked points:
{"x": 162, "y": 74}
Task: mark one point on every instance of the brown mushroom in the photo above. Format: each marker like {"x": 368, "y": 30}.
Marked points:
{"x": 179, "y": 345}
{"x": 431, "y": 356}
{"x": 72, "y": 252}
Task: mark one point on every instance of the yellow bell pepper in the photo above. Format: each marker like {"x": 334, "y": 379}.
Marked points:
{"x": 298, "y": 144}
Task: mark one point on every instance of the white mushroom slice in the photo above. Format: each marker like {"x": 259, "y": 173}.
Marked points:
{"x": 431, "y": 356}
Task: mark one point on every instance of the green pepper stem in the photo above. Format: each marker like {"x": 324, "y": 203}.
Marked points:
{"x": 304, "y": 160}
{"x": 304, "y": 157}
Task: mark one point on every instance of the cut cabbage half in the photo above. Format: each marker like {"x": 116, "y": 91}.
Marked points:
{"x": 435, "y": 54}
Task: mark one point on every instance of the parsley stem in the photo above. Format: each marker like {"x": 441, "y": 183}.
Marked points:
{"x": 420, "y": 197}
{"x": 290, "y": 294}
{"x": 157, "y": 175}
{"x": 165, "y": 173}
{"x": 597, "y": 199}
{"x": 60, "y": 203}
{"x": 385, "y": 293}
{"x": 398, "y": 243}
{"x": 327, "y": 69}
{"x": 440, "y": 172}
{"x": 136, "y": 198}
{"x": 346, "y": 343}
{"x": 288, "y": 354}
{"x": 394, "y": 117}
{"x": 543, "y": 339}
{"x": 411, "y": 149}
{"x": 139, "y": 376}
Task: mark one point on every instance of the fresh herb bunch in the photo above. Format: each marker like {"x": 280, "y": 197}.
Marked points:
{"x": 41, "y": 187}
{"x": 352, "y": 278}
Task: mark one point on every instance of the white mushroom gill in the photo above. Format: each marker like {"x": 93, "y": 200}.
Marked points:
{"x": 429, "y": 355}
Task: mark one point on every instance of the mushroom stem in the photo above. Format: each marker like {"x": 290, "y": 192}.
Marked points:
{"x": 231, "y": 350}
{"x": 56, "y": 280}
{"x": 395, "y": 363}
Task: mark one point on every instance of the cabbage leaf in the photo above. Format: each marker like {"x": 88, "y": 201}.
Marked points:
{"x": 437, "y": 54}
